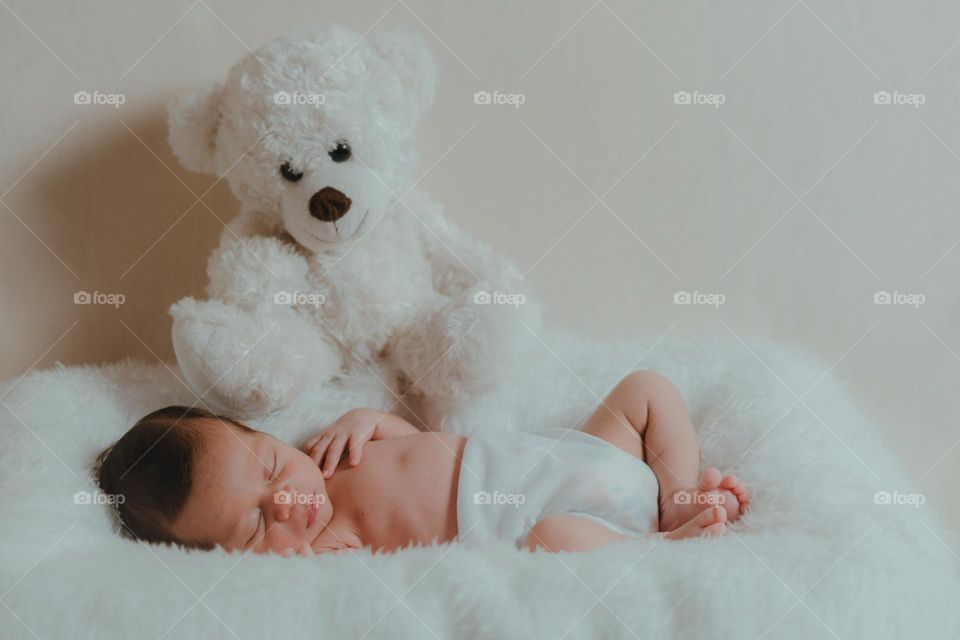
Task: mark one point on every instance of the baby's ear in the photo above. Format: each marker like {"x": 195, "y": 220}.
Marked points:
{"x": 410, "y": 59}
{"x": 193, "y": 122}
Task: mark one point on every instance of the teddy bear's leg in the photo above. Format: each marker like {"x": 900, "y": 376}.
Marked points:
{"x": 486, "y": 291}
{"x": 246, "y": 363}
{"x": 467, "y": 347}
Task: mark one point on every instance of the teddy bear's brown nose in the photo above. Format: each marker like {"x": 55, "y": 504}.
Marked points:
{"x": 329, "y": 204}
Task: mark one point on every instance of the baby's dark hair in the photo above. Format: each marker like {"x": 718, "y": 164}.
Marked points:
{"x": 151, "y": 466}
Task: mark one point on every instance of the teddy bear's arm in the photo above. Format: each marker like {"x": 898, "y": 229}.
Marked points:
{"x": 250, "y": 270}
{"x": 461, "y": 347}
{"x": 249, "y": 362}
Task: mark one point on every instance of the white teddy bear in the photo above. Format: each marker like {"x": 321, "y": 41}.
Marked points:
{"x": 337, "y": 266}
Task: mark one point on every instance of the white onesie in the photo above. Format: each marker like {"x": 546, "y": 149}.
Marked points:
{"x": 509, "y": 481}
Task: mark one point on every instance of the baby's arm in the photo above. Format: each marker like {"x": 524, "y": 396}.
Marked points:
{"x": 350, "y": 432}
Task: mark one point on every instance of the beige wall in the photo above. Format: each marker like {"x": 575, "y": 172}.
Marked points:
{"x": 705, "y": 200}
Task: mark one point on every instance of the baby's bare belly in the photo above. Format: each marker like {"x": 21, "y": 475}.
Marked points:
{"x": 404, "y": 491}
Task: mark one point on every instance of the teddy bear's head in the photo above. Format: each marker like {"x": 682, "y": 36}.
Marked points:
{"x": 313, "y": 132}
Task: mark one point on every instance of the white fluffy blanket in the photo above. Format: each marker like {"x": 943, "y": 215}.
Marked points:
{"x": 816, "y": 558}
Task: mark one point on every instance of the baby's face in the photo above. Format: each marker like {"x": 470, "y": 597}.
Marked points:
{"x": 253, "y": 491}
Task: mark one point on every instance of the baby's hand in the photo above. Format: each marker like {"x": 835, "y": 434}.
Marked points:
{"x": 305, "y": 550}
{"x": 350, "y": 431}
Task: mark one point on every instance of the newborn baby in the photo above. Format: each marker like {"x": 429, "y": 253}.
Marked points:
{"x": 371, "y": 479}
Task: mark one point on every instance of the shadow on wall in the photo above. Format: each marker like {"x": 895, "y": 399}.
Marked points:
{"x": 131, "y": 235}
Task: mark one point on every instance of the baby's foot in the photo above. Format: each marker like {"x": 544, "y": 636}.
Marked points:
{"x": 713, "y": 489}
{"x": 710, "y": 522}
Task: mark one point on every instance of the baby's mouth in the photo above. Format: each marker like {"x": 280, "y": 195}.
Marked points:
{"x": 312, "y": 510}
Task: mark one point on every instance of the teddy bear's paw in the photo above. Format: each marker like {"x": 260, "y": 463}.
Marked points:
{"x": 248, "y": 362}
{"x": 249, "y": 270}
{"x": 453, "y": 355}
{"x": 466, "y": 345}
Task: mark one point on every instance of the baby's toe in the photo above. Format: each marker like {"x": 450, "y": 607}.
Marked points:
{"x": 709, "y": 479}
{"x": 711, "y": 516}
{"x": 733, "y": 483}
{"x": 713, "y": 521}
{"x": 736, "y": 486}
{"x": 730, "y": 502}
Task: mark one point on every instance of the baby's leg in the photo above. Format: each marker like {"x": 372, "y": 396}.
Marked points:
{"x": 645, "y": 415}
{"x": 570, "y": 532}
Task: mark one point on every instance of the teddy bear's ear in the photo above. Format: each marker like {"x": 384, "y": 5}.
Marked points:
{"x": 193, "y": 122}
{"x": 410, "y": 58}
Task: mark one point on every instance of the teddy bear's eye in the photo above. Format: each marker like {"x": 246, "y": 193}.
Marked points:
{"x": 341, "y": 153}
{"x": 289, "y": 174}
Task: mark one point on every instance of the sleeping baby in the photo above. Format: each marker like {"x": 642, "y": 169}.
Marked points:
{"x": 372, "y": 479}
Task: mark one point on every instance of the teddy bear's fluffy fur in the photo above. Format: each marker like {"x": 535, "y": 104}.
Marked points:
{"x": 299, "y": 302}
